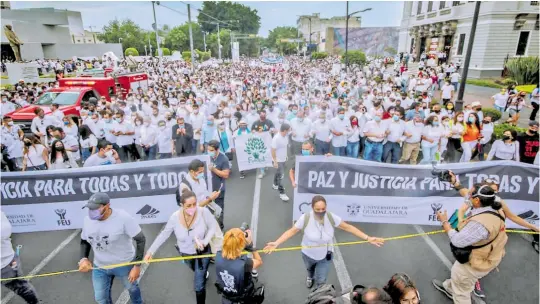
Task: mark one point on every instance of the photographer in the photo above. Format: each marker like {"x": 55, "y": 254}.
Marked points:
{"x": 479, "y": 242}
{"x": 233, "y": 270}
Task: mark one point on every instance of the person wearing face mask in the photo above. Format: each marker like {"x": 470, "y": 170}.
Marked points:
{"x": 71, "y": 144}
{"x": 471, "y": 135}
{"x": 340, "y": 127}
{"x": 197, "y": 120}
{"x": 478, "y": 246}
{"x": 395, "y": 129}
{"x": 353, "y": 137}
{"x": 220, "y": 169}
{"x": 60, "y": 158}
{"x": 529, "y": 143}
{"x": 209, "y": 132}
{"x": 300, "y": 132}
{"x": 375, "y": 133}
{"x": 88, "y": 142}
{"x": 500, "y": 100}
{"x": 105, "y": 155}
{"x": 506, "y": 148}
{"x": 110, "y": 234}
{"x": 40, "y": 122}
{"x": 242, "y": 129}
{"x": 182, "y": 133}
{"x": 164, "y": 141}
{"x": 109, "y": 127}
{"x": 411, "y": 146}
{"x": 280, "y": 144}
{"x": 318, "y": 227}
{"x": 7, "y": 106}
{"x": 70, "y": 127}
{"x": 447, "y": 92}
{"x": 124, "y": 133}
{"x": 12, "y": 137}
{"x": 193, "y": 226}
{"x": 415, "y": 109}
{"x": 431, "y": 139}
{"x": 322, "y": 133}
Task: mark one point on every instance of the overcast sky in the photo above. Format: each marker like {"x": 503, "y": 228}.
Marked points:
{"x": 273, "y": 14}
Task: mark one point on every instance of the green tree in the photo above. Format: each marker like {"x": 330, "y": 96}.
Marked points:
{"x": 355, "y": 57}
{"x": 248, "y": 19}
{"x": 225, "y": 37}
{"x": 131, "y": 52}
{"x": 132, "y": 35}
{"x": 164, "y": 50}
{"x": 176, "y": 39}
{"x": 198, "y": 40}
{"x": 282, "y": 32}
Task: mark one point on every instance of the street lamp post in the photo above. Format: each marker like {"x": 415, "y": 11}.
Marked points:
{"x": 347, "y": 31}
{"x": 156, "y": 28}
{"x": 461, "y": 91}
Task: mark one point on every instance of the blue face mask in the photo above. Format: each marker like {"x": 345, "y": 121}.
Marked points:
{"x": 306, "y": 152}
{"x": 377, "y": 118}
{"x": 210, "y": 123}
{"x": 66, "y": 123}
{"x": 200, "y": 176}
{"x": 472, "y": 119}
{"x": 395, "y": 118}
{"x": 435, "y": 123}
{"x": 341, "y": 116}
{"x": 294, "y": 112}
{"x": 212, "y": 153}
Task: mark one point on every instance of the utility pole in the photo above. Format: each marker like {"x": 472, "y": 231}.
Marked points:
{"x": 347, "y": 39}
{"x": 191, "y": 39}
{"x": 218, "y": 42}
{"x": 461, "y": 91}
{"x": 204, "y": 40}
{"x": 145, "y": 51}
{"x": 156, "y": 28}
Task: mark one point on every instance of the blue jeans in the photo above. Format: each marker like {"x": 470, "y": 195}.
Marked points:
{"x": 151, "y": 152}
{"x": 455, "y": 84}
{"x": 428, "y": 154}
{"x": 392, "y": 148}
{"x": 373, "y": 151}
{"x": 500, "y": 109}
{"x": 195, "y": 146}
{"x": 165, "y": 155}
{"x": 200, "y": 267}
{"x": 102, "y": 280}
{"x": 352, "y": 149}
{"x": 321, "y": 147}
{"x": 339, "y": 151}
{"x": 317, "y": 270}
{"x": 85, "y": 153}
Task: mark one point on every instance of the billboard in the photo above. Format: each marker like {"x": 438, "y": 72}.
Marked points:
{"x": 371, "y": 40}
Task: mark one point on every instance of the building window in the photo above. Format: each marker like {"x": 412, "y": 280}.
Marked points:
{"x": 412, "y": 46}
{"x": 442, "y": 5}
{"x": 430, "y": 6}
{"x": 460, "y": 44}
{"x": 419, "y": 9}
{"x": 534, "y": 3}
{"x": 455, "y": 3}
{"x": 522, "y": 43}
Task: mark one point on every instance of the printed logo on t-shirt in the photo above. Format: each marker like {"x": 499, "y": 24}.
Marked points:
{"x": 62, "y": 215}
{"x": 99, "y": 242}
{"x": 228, "y": 280}
{"x": 148, "y": 212}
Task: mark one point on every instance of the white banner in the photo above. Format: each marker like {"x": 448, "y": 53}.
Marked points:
{"x": 364, "y": 191}
{"x": 254, "y": 151}
{"x": 53, "y": 200}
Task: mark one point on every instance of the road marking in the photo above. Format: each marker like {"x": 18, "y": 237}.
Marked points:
{"x": 341, "y": 270}
{"x": 434, "y": 247}
{"x": 255, "y": 211}
{"x": 45, "y": 261}
{"x": 124, "y": 296}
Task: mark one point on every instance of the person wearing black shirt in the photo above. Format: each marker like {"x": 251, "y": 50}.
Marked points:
{"x": 529, "y": 143}
{"x": 220, "y": 172}
{"x": 262, "y": 124}
{"x": 182, "y": 136}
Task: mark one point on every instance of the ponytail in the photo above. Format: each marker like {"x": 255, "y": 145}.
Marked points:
{"x": 181, "y": 198}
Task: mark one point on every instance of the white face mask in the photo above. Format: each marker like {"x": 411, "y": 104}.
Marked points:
{"x": 109, "y": 153}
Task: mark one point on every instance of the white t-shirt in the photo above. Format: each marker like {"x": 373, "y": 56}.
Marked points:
{"x": 316, "y": 234}
{"x": 111, "y": 239}
{"x": 500, "y": 99}
{"x": 447, "y": 91}
{"x": 89, "y": 142}
{"x": 6, "y": 248}
{"x": 280, "y": 143}
{"x": 95, "y": 160}
{"x": 34, "y": 157}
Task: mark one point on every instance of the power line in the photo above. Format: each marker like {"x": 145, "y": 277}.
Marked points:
{"x": 172, "y": 9}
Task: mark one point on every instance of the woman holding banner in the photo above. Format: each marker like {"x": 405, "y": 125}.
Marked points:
{"x": 318, "y": 227}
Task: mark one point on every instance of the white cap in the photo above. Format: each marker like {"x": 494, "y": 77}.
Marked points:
{"x": 476, "y": 104}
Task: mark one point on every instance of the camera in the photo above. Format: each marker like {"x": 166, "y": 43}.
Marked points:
{"x": 244, "y": 227}
{"x": 442, "y": 175}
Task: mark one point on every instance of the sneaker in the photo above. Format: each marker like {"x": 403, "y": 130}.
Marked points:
{"x": 478, "y": 290}
{"x": 440, "y": 287}
{"x": 254, "y": 273}
{"x": 309, "y": 282}
{"x": 281, "y": 176}
{"x": 260, "y": 176}
{"x": 275, "y": 187}
{"x": 207, "y": 274}
{"x": 284, "y": 197}
{"x": 535, "y": 246}
{"x": 242, "y": 175}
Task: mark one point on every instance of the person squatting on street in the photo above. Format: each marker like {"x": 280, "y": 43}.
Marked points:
{"x": 110, "y": 234}
{"x": 11, "y": 266}
{"x": 234, "y": 270}
{"x": 318, "y": 227}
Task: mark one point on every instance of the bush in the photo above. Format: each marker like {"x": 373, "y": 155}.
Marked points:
{"x": 131, "y": 52}
{"x": 490, "y": 83}
{"x": 524, "y": 69}
{"x": 165, "y": 51}
{"x": 498, "y": 130}
{"x": 494, "y": 113}
{"x": 186, "y": 55}
{"x": 355, "y": 57}
{"x": 319, "y": 55}
{"x": 526, "y": 88}
{"x": 203, "y": 56}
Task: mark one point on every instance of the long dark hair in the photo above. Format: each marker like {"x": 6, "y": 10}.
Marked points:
{"x": 476, "y": 122}
{"x": 398, "y": 285}
{"x": 85, "y": 131}
{"x": 54, "y": 151}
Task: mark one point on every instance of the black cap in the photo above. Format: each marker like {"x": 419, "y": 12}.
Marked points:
{"x": 97, "y": 200}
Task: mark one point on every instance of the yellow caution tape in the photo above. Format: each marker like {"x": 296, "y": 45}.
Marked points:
{"x": 294, "y": 248}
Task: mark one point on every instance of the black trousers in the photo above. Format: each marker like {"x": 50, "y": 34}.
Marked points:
{"x": 22, "y": 288}
{"x": 533, "y": 115}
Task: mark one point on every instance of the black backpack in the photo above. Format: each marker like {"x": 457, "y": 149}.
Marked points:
{"x": 325, "y": 294}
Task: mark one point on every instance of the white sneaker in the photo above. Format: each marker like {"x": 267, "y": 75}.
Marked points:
{"x": 261, "y": 175}
{"x": 284, "y": 197}
{"x": 207, "y": 274}
{"x": 275, "y": 187}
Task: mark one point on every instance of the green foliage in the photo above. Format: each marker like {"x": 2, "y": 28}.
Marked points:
{"x": 505, "y": 81}
{"x": 248, "y": 19}
{"x": 526, "y": 88}
{"x": 390, "y": 50}
{"x": 319, "y": 55}
{"x": 130, "y": 33}
{"x": 355, "y": 57}
{"x": 494, "y": 113}
{"x": 131, "y": 52}
{"x": 490, "y": 83}
{"x": 165, "y": 51}
{"x": 282, "y": 32}
{"x": 186, "y": 55}
{"x": 499, "y": 129}
{"x": 255, "y": 146}
{"x": 203, "y": 56}
{"x": 225, "y": 39}
{"x": 176, "y": 39}
{"x": 524, "y": 69}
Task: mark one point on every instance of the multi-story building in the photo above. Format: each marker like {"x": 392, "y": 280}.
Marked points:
{"x": 51, "y": 33}
{"x": 505, "y": 29}
{"x": 319, "y": 27}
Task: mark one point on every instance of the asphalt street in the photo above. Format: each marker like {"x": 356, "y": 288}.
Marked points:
{"x": 517, "y": 280}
